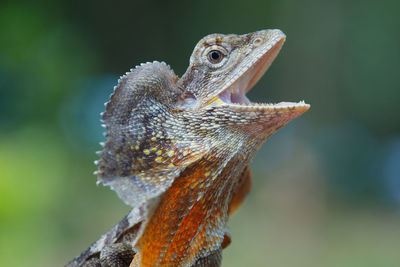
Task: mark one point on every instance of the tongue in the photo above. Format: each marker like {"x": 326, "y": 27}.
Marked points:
{"x": 233, "y": 95}
{"x": 239, "y": 98}
{"x": 225, "y": 96}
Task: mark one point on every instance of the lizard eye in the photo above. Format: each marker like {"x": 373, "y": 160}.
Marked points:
{"x": 215, "y": 56}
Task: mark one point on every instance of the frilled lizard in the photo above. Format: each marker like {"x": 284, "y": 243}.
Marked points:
{"x": 178, "y": 151}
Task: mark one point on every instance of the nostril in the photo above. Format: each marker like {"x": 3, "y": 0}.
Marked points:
{"x": 257, "y": 41}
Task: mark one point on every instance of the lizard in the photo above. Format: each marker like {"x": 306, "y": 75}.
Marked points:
{"x": 178, "y": 151}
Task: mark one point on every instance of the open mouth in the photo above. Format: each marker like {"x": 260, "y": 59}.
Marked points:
{"x": 235, "y": 93}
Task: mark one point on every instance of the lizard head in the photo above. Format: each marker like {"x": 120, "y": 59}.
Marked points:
{"x": 223, "y": 68}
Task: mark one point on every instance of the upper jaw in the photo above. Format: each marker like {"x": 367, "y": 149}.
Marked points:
{"x": 234, "y": 93}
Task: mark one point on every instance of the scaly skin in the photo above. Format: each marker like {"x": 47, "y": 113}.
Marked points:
{"x": 178, "y": 151}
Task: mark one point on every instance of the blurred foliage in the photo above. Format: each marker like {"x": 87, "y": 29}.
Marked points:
{"x": 326, "y": 188}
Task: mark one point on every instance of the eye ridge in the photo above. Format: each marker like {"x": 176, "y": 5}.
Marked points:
{"x": 215, "y": 56}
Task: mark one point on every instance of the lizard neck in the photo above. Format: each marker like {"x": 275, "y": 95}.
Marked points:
{"x": 192, "y": 216}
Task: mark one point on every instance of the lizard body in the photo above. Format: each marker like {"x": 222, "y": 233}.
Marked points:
{"x": 178, "y": 151}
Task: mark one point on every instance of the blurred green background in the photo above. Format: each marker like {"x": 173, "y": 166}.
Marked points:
{"x": 326, "y": 188}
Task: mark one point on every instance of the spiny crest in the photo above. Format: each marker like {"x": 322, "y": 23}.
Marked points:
{"x": 143, "y": 155}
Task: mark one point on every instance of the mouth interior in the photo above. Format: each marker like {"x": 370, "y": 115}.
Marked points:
{"x": 236, "y": 93}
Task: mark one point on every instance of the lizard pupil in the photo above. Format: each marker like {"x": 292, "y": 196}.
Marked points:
{"x": 215, "y": 56}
